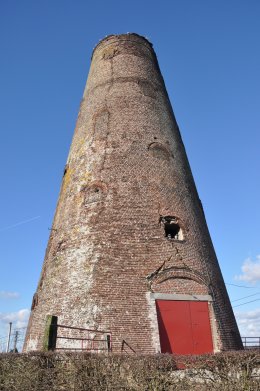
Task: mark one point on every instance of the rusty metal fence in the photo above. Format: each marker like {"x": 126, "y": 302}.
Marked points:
{"x": 60, "y": 337}
{"x": 76, "y": 338}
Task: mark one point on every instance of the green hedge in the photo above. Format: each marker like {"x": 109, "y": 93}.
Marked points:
{"x": 232, "y": 371}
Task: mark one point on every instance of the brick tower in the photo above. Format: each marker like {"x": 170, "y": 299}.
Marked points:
{"x": 129, "y": 249}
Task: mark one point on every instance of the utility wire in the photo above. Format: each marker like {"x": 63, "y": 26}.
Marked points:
{"x": 241, "y": 286}
{"x": 238, "y": 305}
{"x": 245, "y": 297}
{"x": 19, "y": 223}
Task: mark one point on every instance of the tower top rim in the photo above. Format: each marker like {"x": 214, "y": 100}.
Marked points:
{"x": 112, "y": 38}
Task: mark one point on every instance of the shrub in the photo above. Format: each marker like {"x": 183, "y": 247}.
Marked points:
{"x": 38, "y": 371}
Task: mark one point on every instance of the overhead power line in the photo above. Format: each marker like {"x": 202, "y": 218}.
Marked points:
{"x": 245, "y": 297}
{"x": 238, "y": 305}
{"x": 241, "y": 286}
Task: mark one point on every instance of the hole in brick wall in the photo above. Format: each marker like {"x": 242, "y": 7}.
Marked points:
{"x": 172, "y": 227}
{"x": 60, "y": 246}
{"x": 94, "y": 192}
{"x": 34, "y": 301}
{"x": 65, "y": 170}
{"x": 172, "y": 230}
{"x": 159, "y": 151}
{"x": 93, "y": 195}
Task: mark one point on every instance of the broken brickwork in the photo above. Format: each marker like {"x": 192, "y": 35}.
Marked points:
{"x": 127, "y": 176}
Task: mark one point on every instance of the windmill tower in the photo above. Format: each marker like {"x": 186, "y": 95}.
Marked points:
{"x": 129, "y": 249}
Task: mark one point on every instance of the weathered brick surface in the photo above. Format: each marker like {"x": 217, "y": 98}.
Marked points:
{"x": 107, "y": 250}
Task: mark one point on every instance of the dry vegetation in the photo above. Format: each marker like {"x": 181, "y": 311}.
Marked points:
{"x": 231, "y": 371}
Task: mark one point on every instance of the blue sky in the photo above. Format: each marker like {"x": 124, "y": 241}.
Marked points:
{"x": 209, "y": 56}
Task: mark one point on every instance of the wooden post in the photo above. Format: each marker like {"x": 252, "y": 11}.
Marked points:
{"x": 50, "y": 333}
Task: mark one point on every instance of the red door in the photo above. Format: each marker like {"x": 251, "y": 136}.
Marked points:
{"x": 184, "y": 327}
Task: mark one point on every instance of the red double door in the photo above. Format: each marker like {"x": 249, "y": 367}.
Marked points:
{"x": 184, "y": 327}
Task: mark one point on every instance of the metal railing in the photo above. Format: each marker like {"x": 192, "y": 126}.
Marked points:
{"x": 251, "y": 342}
{"x": 81, "y": 339}
{"x": 71, "y": 338}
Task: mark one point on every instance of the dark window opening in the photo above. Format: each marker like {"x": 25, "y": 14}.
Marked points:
{"x": 172, "y": 228}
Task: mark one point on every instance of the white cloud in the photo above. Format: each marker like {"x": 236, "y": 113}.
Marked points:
{"x": 249, "y": 323}
{"x": 251, "y": 271}
{"x": 9, "y": 295}
{"x": 19, "y": 318}
{"x": 19, "y": 321}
